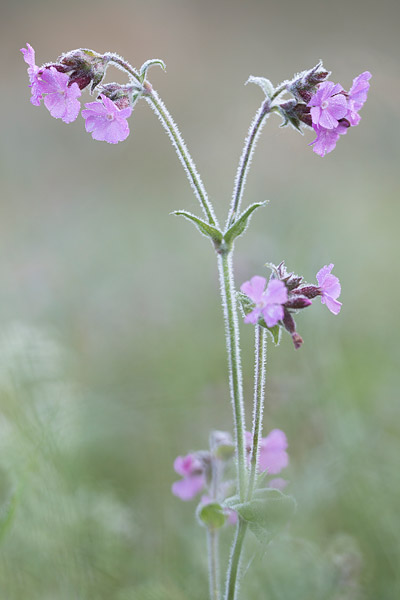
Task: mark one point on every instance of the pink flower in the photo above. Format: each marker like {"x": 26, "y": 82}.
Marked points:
{"x": 192, "y": 470}
{"x": 357, "y": 97}
{"x": 326, "y": 139}
{"x": 33, "y": 72}
{"x": 329, "y": 288}
{"x": 105, "y": 121}
{"x": 273, "y": 456}
{"x": 328, "y": 105}
{"x": 60, "y": 98}
{"x": 268, "y": 301}
{"x": 332, "y": 114}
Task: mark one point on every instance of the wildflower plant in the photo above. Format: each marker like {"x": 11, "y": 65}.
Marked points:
{"x": 235, "y": 477}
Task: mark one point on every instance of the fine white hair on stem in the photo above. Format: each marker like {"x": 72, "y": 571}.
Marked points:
{"x": 250, "y": 143}
{"x": 183, "y": 154}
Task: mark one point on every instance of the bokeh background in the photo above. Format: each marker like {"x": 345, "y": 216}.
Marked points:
{"x": 112, "y": 357}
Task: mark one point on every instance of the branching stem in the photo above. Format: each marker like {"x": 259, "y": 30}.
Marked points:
{"x": 183, "y": 154}
{"x": 245, "y": 159}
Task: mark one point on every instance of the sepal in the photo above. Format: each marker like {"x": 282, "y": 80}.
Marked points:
{"x": 205, "y": 229}
{"x": 241, "y": 223}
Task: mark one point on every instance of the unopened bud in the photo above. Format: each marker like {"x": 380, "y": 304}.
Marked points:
{"x": 304, "y": 84}
{"x": 297, "y": 302}
{"x": 84, "y": 67}
{"x": 309, "y": 291}
{"x": 123, "y": 96}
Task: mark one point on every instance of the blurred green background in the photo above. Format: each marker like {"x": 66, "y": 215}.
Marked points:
{"x": 112, "y": 355}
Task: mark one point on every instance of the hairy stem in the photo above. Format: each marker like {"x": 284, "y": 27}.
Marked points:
{"x": 245, "y": 159}
{"x": 232, "y": 580}
{"x": 225, "y": 268}
{"x": 260, "y": 351}
{"x": 183, "y": 154}
{"x": 213, "y": 563}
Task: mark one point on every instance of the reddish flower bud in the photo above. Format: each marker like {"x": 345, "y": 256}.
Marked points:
{"x": 297, "y": 302}
{"x": 309, "y": 291}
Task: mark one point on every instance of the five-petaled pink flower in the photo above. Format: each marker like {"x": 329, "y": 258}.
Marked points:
{"x": 329, "y": 288}
{"x": 60, "y": 98}
{"x": 326, "y": 139}
{"x": 272, "y": 452}
{"x": 333, "y": 111}
{"x": 53, "y": 87}
{"x": 105, "y": 121}
{"x": 193, "y": 477}
{"x": 357, "y": 97}
{"x": 33, "y": 72}
{"x": 328, "y": 105}
{"x": 268, "y": 301}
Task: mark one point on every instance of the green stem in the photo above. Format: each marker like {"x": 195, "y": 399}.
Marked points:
{"x": 232, "y": 581}
{"x": 245, "y": 159}
{"x": 225, "y": 268}
{"x": 183, "y": 154}
{"x": 213, "y": 563}
{"x": 260, "y": 351}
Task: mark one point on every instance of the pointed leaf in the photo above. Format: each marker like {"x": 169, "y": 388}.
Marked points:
{"x": 204, "y": 228}
{"x": 264, "y": 84}
{"x": 275, "y": 331}
{"x": 212, "y": 515}
{"x": 149, "y": 63}
{"x": 242, "y": 222}
{"x": 267, "y": 513}
{"x": 232, "y": 501}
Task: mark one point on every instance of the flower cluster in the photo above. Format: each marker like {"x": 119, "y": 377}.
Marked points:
{"x": 324, "y": 106}
{"x": 333, "y": 111}
{"x": 59, "y": 85}
{"x": 205, "y": 471}
{"x": 276, "y": 302}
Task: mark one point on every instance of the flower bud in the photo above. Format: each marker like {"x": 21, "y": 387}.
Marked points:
{"x": 303, "y": 85}
{"x": 290, "y": 326}
{"x": 123, "y": 96}
{"x": 309, "y": 291}
{"x": 84, "y": 66}
{"x": 297, "y": 302}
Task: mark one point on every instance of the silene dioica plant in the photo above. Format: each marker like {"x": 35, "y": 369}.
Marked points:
{"x": 254, "y": 499}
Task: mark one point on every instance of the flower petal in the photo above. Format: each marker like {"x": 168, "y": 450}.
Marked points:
{"x": 333, "y": 305}
{"x": 188, "y": 487}
{"x": 254, "y": 288}
{"x": 272, "y": 313}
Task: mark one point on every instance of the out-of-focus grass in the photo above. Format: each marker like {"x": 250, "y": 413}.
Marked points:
{"x": 112, "y": 356}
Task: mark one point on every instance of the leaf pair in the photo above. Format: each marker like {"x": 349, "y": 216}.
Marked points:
{"x": 222, "y": 241}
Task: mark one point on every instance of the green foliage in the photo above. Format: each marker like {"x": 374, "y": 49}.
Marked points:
{"x": 205, "y": 228}
{"x": 149, "y": 63}
{"x": 267, "y": 513}
{"x": 241, "y": 223}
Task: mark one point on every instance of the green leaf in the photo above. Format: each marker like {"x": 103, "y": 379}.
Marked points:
{"x": 264, "y": 84}
{"x": 212, "y": 515}
{"x": 204, "y": 228}
{"x": 240, "y": 225}
{"x": 149, "y": 63}
{"x": 267, "y": 513}
{"x": 275, "y": 331}
{"x": 232, "y": 501}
